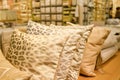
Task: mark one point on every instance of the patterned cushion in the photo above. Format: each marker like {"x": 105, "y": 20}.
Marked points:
{"x": 6, "y": 37}
{"x": 37, "y": 54}
{"x": 68, "y": 68}
{"x": 6, "y": 70}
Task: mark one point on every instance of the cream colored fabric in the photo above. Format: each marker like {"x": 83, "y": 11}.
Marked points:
{"x": 73, "y": 70}
{"x": 13, "y": 74}
{"x": 6, "y": 37}
{"x": 92, "y": 50}
{"x": 68, "y": 68}
{"x": 37, "y": 54}
{"x": 110, "y": 41}
{"x": 107, "y": 53}
{"x": 21, "y": 28}
{"x": 9, "y": 72}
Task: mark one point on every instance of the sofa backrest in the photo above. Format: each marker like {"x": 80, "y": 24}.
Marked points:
{"x": 5, "y": 37}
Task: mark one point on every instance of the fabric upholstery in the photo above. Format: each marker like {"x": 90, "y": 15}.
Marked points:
{"x": 9, "y": 72}
{"x": 68, "y": 68}
{"x": 107, "y": 53}
{"x": 92, "y": 50}
{"x": 36, "y": 54}
{"x": 110, "y": 41}
{"x": 6, "y": 37}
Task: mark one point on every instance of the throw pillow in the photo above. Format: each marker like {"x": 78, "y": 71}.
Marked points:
{"x": 92, "y": 50}
{"x": 6, "y": 70}
{"x": 6, "y": 37}
{"x": 110, "y": 41}
{"x": 37, "y": 54}
{"x": 70, "y": 71}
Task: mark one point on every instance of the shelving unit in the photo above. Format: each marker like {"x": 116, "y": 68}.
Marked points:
{"x": 35, "y": 10}
{"x": 23, "y": 9}
{"x": 56, "y": 12}
{"x": 102, "y": 10}
{"x": 88, "y": 12}
{"x": 69, "y": 11}
{"x": 47, "y": 12}
{"x": 51, "y": 12}
{"x": 99, "y": 10}
{"x": 7, "y": 16}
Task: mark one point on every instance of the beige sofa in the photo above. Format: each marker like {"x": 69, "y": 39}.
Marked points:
{"x": 8, "y": 71}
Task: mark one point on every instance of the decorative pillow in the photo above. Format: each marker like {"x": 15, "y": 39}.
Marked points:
{"x": 107, "y": 53}
{"x": 68, "y": 68}
{"x": 92, "y": 50}
{"x": 6, "y": 37}
{"x": 7, "y": 74}
{"x": 37, "y": 28}
{"x": 110, "y": 41}
{"x": 6, "y": 70}
{"x": 37, "y": 54}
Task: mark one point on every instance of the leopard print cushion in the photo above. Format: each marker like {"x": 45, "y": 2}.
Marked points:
{"x": 69, "y": 67}
{"x": 36, "y": 54}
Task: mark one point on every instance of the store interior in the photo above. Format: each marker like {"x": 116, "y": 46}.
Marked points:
{"x": 59, "y": 39}
{"x": 59, "y": 12}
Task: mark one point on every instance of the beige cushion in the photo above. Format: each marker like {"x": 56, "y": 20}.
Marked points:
{"x": 6, "y": 37}
{"x": 68, "y": 68}
{"x": 110, "y": 41}
{"x": 107, "y": 53}
{"x": 92, "y": 50}
{"x": 37, "y": 54}
{"x": 9, "y": 72}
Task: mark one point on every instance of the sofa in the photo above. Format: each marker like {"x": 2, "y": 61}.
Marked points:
{"x": 7, "y": 67}
{"x": 111, "y": 44}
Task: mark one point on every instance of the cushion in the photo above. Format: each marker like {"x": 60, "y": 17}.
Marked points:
{"x": 6, "y": 36}
{"x": 110, "y": 41}
{"x": 68, "y": 68}
{"x": 37, "y": 54}
{"x": 107, "y": 53}
{"x": 92, "y": 50}
{"x": 5, "y": 74}
{"x": 6, "y": 70}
